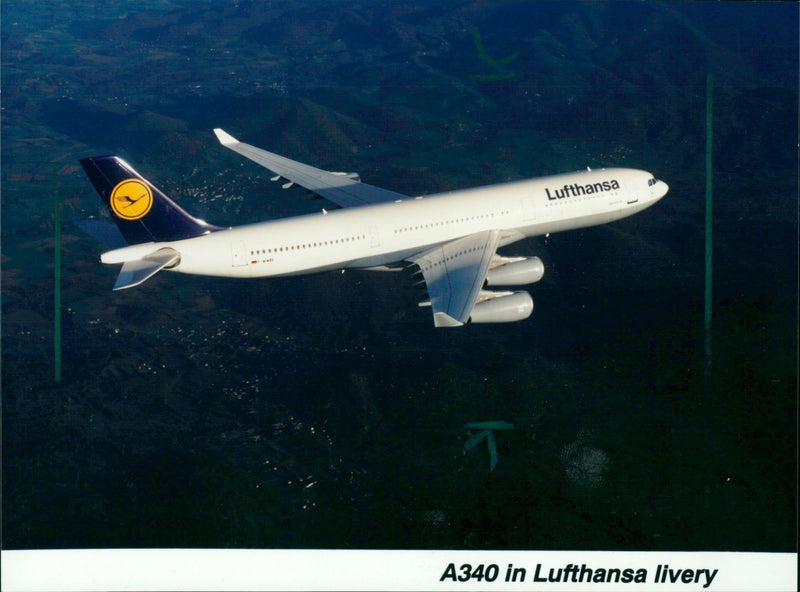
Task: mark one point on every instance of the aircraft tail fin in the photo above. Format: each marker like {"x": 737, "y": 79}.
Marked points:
{"x": 140, "y": 210}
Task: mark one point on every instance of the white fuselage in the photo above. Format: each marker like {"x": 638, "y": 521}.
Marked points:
{"x": 380, "y": 234}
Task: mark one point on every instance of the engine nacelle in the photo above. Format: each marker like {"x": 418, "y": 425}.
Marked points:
{"x": 514, "y": 271}
{"x": 502, "y": 307}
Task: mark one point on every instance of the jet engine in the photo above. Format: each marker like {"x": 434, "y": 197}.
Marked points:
{"x": 501, "y": 307}
{"x": 514, "y": 271}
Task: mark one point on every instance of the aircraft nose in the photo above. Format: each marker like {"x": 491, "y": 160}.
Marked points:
{"x": 661, "y": 189}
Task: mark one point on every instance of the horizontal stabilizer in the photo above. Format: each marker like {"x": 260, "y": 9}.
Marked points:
{"x": 136, "y": 271}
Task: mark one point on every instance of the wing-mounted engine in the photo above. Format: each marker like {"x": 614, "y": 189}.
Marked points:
{"x": 457, "y": 272}
{"x": 501, "y": 307}
{"x": 514, "y": 271}
{"x": 507, "y": 306}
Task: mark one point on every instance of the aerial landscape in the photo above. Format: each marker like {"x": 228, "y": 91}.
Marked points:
{"x": 326, "y": 411}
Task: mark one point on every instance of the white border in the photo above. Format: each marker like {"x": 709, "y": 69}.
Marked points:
{"x": 189, "y": 570}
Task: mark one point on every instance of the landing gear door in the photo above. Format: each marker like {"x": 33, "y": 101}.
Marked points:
{"x": 238, "y": 254}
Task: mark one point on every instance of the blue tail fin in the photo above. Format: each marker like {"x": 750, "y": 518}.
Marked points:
{"x": 142, "y": 212}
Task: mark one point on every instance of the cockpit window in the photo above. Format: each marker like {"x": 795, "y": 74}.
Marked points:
{"x": 651, "y": 181}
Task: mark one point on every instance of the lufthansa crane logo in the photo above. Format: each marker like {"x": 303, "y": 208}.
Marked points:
{"x": 131, "y": 199}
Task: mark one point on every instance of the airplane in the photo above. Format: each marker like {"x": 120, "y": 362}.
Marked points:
{"x": 450, "y": 239}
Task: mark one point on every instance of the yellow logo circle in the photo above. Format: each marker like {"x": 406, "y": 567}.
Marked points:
{"x": 131, "y": 199}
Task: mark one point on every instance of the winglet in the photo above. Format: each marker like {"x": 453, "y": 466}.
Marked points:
{"x": 442, "y": 319}
{"x": 224, "y": 137}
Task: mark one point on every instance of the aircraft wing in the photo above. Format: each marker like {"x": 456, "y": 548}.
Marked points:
{"x": 339, "y": 189}
{"x": 455, "y": 273}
